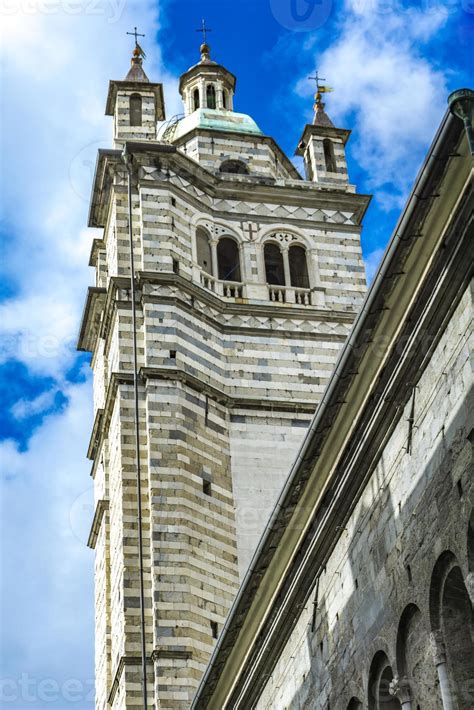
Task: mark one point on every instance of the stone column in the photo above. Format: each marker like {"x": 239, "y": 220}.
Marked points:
{"x": 439, "y": 657}
{"x": 317, "y": 291}
{"x": 286, "y": 266}
{"x": 469, "y": 582}
{"x": 215, "y": 264}
{"x": 202, "y": 95}
{"x": 400, "y": 688}
{"x": 289, "y": 292}
{"x": 219, "y": 96}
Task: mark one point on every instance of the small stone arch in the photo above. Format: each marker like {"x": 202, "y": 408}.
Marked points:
{"x": 211, "y": 96}
{"x": 298, "y": 260}
{"x": 414, "y": 660}
{"x": 274, "y": 264}
{"x": 452, "y": 624}
{"x": 196, "y": 99}
{"x": 354, "y": 704}
{"x": 135, "y": 106}
{"x": 380, "y": 678}
{"x": 228, "y": 259}
{"x": 203, "y": 250}
{"x": 329, "y": 158}
{"x": 236, "y": 167}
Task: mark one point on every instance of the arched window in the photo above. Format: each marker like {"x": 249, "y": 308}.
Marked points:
{"x": 329, "y": 158}
{"x": 228, "y": 260}
{"x": 211, "y": 96}
{"x": 380, "y": 677}
{"x": 415, "y": 667}
{"x": 234, "y": 166}
{"x": 224, "y": 100}
{"x": 298, "y": 267}
{"x": 203, "y": 249}
{"x": 196, "y": 101}
{"x": 452, "y": 618}
{"x": 274, "y": 269}
{"x": 135, "y": 110}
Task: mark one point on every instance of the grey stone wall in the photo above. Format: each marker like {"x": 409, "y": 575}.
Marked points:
{"x": 392, "y": 607}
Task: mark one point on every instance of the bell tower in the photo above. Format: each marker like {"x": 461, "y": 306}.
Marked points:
{"x": 322, "y": 146}
{"x": 247, "y": 280}
{"x": 135, "y": 103}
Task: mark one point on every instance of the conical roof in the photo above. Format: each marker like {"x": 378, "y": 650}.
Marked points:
{"x": 320, "y": 116}
{"x": 136, "y": 72}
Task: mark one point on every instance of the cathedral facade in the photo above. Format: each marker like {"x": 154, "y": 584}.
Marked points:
{"x": 273, "y": 557}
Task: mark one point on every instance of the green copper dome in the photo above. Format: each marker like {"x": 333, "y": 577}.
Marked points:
{"x": 217, "y": 120}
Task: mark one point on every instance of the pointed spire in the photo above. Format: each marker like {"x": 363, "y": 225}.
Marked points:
{"x": 136, "y": 72}
{"x": 320, "y": 116}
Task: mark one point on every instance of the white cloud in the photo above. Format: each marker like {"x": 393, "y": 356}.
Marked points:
{"x": 385, "y": 88}
{"x": 47, "y": 595}
{"x": 58, "y": 57}
{"x": 24, "y": 408}
{"x": 372, "y": 262}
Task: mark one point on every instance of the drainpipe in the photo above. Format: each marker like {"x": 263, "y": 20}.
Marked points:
{"x": 127, "y": 159}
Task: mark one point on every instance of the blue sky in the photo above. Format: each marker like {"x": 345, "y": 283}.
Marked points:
{"x": 392, "y": 66}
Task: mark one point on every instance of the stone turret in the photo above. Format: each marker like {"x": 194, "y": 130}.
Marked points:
{"x": 136, "y": 104}
{"x": 322, "y": 147}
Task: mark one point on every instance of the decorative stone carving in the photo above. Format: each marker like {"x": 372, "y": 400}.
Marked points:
{"x": 400, "y": 688}
{"x": 437, "y": 647}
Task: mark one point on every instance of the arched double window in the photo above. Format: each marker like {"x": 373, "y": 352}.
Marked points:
{"x": 329, "y": 158}
{"x": 226, "y": 255}
{"x": 380, "y": 677}
{"x": 135, "y": 110}
{"x": 196, "y": 100}
{"x": 203, "y": 249}
{"x": 211, "y": 96}
{"x": 298, "y": 266}
{"x": 452, "y": 622}
{"x": 237, "y": 167}
{"x": 228, "y": 260}
{"x": 274, "y": 266}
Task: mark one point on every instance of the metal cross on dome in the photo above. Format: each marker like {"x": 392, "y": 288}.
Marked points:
{"x": 204, "y": 31}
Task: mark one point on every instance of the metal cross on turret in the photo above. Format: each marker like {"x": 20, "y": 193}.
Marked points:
{"x": 138, "y": 50}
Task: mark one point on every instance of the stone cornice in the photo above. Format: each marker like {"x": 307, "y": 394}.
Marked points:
{"x": 300, "y": 192}
{"x": 149, "y": 374}
{"x": 406, "y": 311}
{"x": 107, "y": 302}
{"x": 101, "y": 507}
{"x": 124, "y": 661}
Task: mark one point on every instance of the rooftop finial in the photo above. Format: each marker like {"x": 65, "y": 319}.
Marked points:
{"x": 138, "y": 53}
{"x": 320, "y": 117}
{"x": 204, "y": 49}
{"x": 136, "y": 72}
